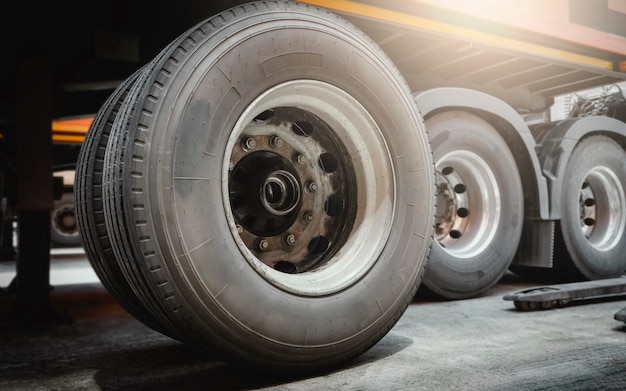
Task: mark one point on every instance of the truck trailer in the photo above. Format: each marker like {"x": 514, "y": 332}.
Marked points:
{"x": 276, "y": 182}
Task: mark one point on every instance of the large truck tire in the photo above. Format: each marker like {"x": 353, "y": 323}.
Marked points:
{"x": 479, "y": 205}
{"x": 591, "y": 235}
{"x": 269, "y": 189}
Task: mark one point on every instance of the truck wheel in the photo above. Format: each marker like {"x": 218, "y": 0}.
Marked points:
{"x": 479, "y": 206}
{"x": 63, "y": 227}
{"x": 593, "y": 209}
{"x": 277, "y": 188}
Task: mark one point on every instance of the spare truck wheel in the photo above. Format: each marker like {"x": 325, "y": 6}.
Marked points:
{"x": 479, "y": 205}
{"x": 592, "y": 229}
{"x": 274, "y": 188}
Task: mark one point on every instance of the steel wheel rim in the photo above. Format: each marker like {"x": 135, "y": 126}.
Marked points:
{"x": 64, "y": 219}
{"x": 468, "y": 204}
{"x": 323, "y": 173}
{"x": 602, "y": 208}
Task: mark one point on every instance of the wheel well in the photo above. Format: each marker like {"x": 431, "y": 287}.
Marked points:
{"x": 511, "y": 127}
{"x": 561, "y": 141}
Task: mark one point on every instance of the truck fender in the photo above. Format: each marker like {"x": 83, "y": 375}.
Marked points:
{"x": 559, "y": 144}
{"x": 513, "y": 128}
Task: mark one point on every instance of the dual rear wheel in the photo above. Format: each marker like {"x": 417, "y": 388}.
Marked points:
{"x": 269, "y": 197}
{"x": 480, "y": 208}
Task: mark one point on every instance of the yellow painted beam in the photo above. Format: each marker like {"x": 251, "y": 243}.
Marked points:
{"x": 399, "y": 18}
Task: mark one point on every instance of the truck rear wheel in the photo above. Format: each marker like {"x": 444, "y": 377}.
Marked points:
{"x": 63, "y": 227}
{"x": 593, "y": 210}
{"x": 479, "y": 205}
{"x": 274, "y": 190}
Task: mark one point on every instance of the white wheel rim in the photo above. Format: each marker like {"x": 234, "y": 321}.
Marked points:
{"x": 602, "y": 208}
{"x": 468, "y": 204}
{"x": 330, "y": 220}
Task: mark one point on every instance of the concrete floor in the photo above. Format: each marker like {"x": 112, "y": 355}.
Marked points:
{"x": 476, "y": 344}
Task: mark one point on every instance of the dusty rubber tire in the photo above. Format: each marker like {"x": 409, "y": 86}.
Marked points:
{"x": 63, "y": 225}
{"x": 479, "y": 205}
{"x": 592, "y": 229}
{"x": 90, "y": 210}
{"x": 354, "y": 185}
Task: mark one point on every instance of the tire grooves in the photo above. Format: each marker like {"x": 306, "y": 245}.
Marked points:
{"x": 88, "y": 206}
{"x": 153, "y": 268}
{"x": 157, "y": 276}
{"x": 117, "y": 208}
{"x": 115, "y": 213}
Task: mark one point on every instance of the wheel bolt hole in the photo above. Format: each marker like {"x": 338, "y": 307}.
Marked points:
{"x": 447, "y": 170}
{"x": 459, "y": 188}
{"x": 285, "y": 267}
{"x": 455, "y": 234}
{"x": 328, "y": 162}
{"x": 462, "y": 212}
{"x": 590, "y": 202}
{"x": 302, "y": 128}
{"x": 333, "y": 206}
{"x": 318, "y": 245}
{"x": 264, "y": 116}
{"x": 589, "y": 221}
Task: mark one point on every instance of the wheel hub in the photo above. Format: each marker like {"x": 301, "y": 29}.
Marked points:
{"x": 287, "y": 189}
{"x": 65, "y": 221}
{"x": 452, "y": 203}
{"x": 309, "y": 187}
{"x": 280, "y": 192}
{"x": 468, "y": 203}
{"x": 602, "y": 203}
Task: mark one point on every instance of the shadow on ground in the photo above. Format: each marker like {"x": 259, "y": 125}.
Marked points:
{"x": 106, "y": 345}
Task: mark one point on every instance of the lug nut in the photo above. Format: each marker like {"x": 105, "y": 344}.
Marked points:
{"x": 300, "y": 159}
{"x": 249, "y": 144}
{"x": 308, "y": 217}
{"x": 263, "y": 245}
{"x": 311, "y": 187}
{"x": 239, "y": 229}
{"x": 276, "y": 142}
{"x": 290, "y": 240}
